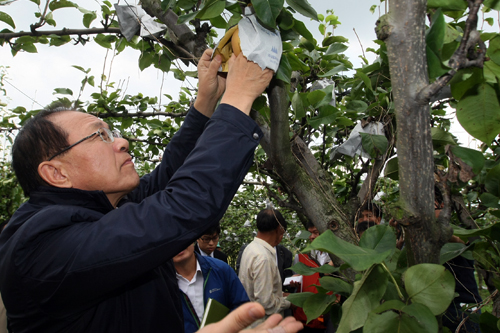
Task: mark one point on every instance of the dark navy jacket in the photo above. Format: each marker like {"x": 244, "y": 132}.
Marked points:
{"x": 220, "y": 283}
{"x": 70, "y": 262}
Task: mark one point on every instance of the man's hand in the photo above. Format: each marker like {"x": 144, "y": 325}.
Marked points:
{"x": 245, "y": 82}
{"x": 246, "y": 314}
{"x": 211, "y": 84}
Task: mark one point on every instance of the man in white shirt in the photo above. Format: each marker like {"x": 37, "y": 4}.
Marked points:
{"x": 258, "y": 270}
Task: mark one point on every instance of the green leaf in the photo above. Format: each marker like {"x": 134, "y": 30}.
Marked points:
{"x": 431, "y": 285}
{"x": 413, "y": 318}
{"x": 465, "y": 80}
{"x": 338, "y": 286}
{"x": 336, "y": 48}
{"x": 435, "y": 66}
{"x": 103, "y": 41}
{"x": 375, "y": 145}
{"x": 380, "y": 238}
{"x": 36, "y": 1}
{"x": 493, "y": 4}
{"x": 365, "y": 78}
{"x": 301, "y": 29}
{"x": 491, "y": 72}
{"x": 451, "y": 35}
{"x": 298, "y": 299}
{"x": 29, "y": 48}
{"x": 284, "y": 70}
{"x": 315, "y": 97}
{"x": 4, "y": 17}
{"x": 285, "y": 20}
{"x": 211, "y": 9}
{"x": 81, "y": 69}
{"x": 365, "y": 297}
{"x": 267, "y": 11}
{"x": 441, "y": 137}
{"x": 126, "y": 123}
{"x": 488, "y": 323}
{"x": 492, "y": 231}
{"x": 61, "y": 4}
{"x": 298, "y": 105}
{"x": 296, "y": 63}
{"x": 88, "y": 18}
{"x": 316, "y": 305}
{"x": 186, "y": 17}
{"x": 357, "y": 105}
{"x": 145, "y": 60}
{"x": 450, "y": 251}
{"x": 59, "y": 40}
{"x": 343, "y": 121}
{"x": 302, "y": 269}
{"x": 164, "y": 63}
{"x": 218, "y": 22}
{"x": 327, "y": 115}
{"x": 494, "y": 50}
{"x": 451, "y": 5}
{"x": 334, "y": 39}
{"x": 489, "y": 200}
{"x": 303, "y": 7}
{"x": 492, "y": 181}
{"x": 335, "y": 70}
{"x": 436, "y": 33}
{"x": 392, "y": 169}
{"x": 63, "y": 91}
{"x": 479, "y": 113}
{"x": 472, "y": 157}
{"x": 357, "y": 257}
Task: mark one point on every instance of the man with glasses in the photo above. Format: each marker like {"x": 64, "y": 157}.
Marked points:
{"x": 91, "y": 250}
{"x": 206, "y": 245}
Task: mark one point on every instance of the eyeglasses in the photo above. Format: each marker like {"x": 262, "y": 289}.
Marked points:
{"x": 215, "y": 239}
{"x": 106, "y": 135}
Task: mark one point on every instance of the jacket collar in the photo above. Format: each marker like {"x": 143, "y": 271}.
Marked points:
{"x": 94, "y": 200}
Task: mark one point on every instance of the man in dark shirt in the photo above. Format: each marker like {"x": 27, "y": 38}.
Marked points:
{"x": 91, "y": 250}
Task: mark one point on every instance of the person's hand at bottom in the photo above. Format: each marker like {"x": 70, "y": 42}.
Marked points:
{"x": 246, "y": 314}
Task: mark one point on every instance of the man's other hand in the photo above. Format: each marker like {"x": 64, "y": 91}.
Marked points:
{"x": 246, "y": 314}
{"x": 211, "y": 84}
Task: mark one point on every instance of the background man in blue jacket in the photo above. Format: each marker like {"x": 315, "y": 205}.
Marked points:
{"x": 202, "y": 277}
{"x": 91, "y": 250}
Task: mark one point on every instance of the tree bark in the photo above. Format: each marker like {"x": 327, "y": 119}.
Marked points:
{"x": 300, "y": 171}
{"x": 403, "y": 30}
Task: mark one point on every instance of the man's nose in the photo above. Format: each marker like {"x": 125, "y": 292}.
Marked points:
{"x": 121, "y": 144}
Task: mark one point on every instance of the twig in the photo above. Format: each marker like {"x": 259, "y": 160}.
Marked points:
{"x": 63, "y": 32}
{"x": 465, "y": 56}
{"x": 42, "y": 21}
{"x": 362, "y": 50}
{"x": 493, "y": 294}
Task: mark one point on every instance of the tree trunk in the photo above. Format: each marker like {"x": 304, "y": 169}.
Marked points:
{"x": 300, "y": 171}
{"x": 403, "y": 30}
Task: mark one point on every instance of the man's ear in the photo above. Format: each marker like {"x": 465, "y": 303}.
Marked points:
{"x": 54, "y": 174}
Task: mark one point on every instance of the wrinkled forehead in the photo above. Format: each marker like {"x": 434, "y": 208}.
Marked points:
{"x": 71, "y": 120}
